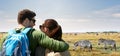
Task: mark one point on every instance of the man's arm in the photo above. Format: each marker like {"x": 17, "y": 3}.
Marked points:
{"x": 50, "y": 43}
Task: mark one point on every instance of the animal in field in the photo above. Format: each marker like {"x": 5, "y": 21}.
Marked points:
{"x": 83, "y": 44}
{"x": 107, "y": 42}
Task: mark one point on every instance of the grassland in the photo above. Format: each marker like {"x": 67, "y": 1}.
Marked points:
{"x": 97, "y": 50}
{"x": 71, "y": 38}
{"x": 1, "y": 35}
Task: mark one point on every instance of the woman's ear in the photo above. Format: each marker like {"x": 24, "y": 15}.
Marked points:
{"x": 40, "y": 26}
{"x": 46, "y": 29}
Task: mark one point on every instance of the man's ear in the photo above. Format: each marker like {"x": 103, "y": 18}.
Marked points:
{"x": 25, "y": 21}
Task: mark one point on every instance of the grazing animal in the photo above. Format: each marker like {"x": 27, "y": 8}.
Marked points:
{"x": 83, "y": 44}
{"x": 106, "y": 42}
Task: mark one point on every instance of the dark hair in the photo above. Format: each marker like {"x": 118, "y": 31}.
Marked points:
{"x": 50, "y": 24}
{"x": 58, "y": 33}
{"x": 54, "y": 28}
{"x": 25, "y": 13}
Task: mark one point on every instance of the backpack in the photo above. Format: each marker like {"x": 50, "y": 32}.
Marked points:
{"x": 16, "y": 44}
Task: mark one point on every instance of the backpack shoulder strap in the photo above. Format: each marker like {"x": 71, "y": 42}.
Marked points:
{"x": 26, "y": 41}
{"x": 10, "y": 32}
{"x": 26, "y": 30}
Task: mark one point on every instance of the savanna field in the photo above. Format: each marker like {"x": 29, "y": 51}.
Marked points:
{"x": 97, "y": 50}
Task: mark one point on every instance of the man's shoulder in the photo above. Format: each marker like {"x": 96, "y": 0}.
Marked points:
{"x": 34, "y": 31}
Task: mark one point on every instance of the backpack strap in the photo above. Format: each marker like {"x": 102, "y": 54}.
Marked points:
{"x": 26, "y": 30}
{"x": 10, "y": 32}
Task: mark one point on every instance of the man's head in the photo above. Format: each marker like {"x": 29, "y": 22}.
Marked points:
{"x": 25, "y": 17}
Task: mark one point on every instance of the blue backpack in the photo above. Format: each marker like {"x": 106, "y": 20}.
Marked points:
{"x": 16, "y": 44}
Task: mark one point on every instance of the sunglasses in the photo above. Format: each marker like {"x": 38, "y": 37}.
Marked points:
{"x": 33, "y": 20}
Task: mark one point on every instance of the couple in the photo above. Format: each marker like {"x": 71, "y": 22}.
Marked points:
{"x": 42, "y": 39}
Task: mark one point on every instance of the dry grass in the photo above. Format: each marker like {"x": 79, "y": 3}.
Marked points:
{"x": 97, "y": 50}
{"x": 1, "y": 35}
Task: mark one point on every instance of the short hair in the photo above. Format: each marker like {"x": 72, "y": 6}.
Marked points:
{"x": 25, "y": 13}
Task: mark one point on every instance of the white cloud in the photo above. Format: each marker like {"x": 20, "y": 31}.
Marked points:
{"x": 109, "y": 12}
{"x": 6, "y": 15}
{"x": 84, "y": 20}
{"x": 11, "y": 20}
{"x": 73, "y": 20}
{"x": 116, "y": 15}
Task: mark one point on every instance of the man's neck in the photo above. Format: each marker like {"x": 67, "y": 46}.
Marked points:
{"x": 20, "y": 26}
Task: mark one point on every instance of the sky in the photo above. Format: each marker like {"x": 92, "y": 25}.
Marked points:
{"x": 72, "y": 15}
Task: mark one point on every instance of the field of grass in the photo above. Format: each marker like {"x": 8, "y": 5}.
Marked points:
{"x": 97, "y": 49}
{"x": 1, "y": 35}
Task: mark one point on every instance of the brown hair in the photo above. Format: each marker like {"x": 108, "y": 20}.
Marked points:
{"x": 55, "y": 30}
{"x": 25, "y": 13}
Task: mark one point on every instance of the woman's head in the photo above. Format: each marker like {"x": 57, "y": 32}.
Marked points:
{"x": 52, "y": 29}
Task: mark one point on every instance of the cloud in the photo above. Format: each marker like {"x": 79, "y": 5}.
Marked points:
{"x": 109, "y": 12}
{"x": 6, "y": 15}
{"x": 11, "y": 20}
{"x": 116, "y": 15}
{"x": 73, "y": 20}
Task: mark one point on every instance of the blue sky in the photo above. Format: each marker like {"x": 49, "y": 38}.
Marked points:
{"x": 72, "y": 15}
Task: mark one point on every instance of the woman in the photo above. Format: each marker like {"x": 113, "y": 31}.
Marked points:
{"x": 53, "y": 30}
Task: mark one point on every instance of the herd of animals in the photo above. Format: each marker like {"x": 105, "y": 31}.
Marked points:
{"x": 87, "y": 44}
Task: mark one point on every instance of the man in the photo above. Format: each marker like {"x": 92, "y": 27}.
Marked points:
{"x": 37, "y": 37}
